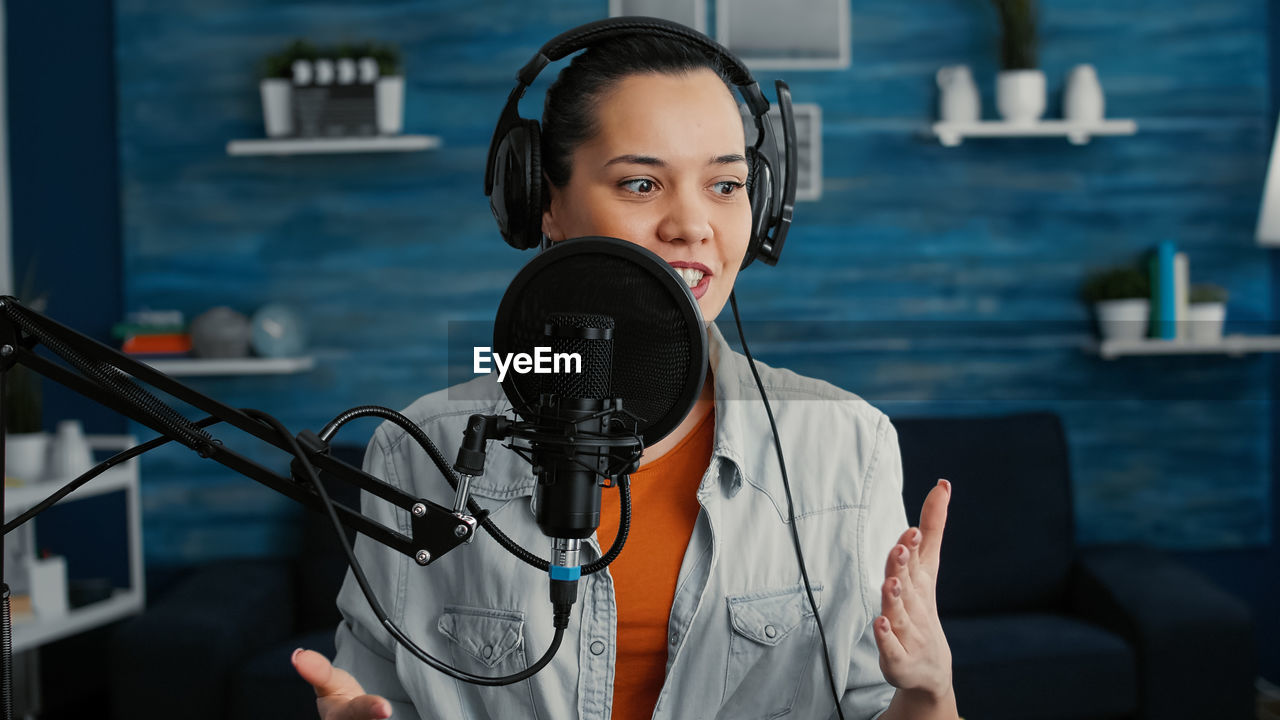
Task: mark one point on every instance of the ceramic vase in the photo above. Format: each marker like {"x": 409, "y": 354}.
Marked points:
{"x": 1082, "y": 99}
{"x": 958, "y": 100}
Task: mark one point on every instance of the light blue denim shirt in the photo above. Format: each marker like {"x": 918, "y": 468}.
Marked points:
{"x": 743, "y": 642}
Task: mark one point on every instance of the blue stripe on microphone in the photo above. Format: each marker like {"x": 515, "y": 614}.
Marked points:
{"x": 566, "y": 573}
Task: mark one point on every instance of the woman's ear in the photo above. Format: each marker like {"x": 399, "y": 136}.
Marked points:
{"x": 554, "y": 198}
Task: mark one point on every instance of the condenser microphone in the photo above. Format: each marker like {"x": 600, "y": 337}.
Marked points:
{"x": 575, "y": 405}
{"x": 643, "y": 345}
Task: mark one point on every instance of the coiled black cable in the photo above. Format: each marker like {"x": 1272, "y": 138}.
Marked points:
{"x": 410, "y": 427}
{"x": 358, "y": 573}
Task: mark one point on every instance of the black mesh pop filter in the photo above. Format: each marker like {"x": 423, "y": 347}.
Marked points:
{"x": 659, "y": 340}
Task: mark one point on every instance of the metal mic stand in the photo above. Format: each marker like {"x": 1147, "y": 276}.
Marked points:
{"x": 104, "y": 376}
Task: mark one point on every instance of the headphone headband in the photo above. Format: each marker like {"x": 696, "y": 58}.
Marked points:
{"x": 594, "y": 33}
{"x": 513, "y": 174}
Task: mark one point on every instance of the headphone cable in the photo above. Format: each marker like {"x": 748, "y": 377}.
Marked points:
{"x": 791, "y": 510}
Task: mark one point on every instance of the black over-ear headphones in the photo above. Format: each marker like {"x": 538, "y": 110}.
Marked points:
{"x": 513, "y": 177}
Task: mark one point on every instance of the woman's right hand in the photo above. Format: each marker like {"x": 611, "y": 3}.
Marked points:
{"x": 338, "y": 694}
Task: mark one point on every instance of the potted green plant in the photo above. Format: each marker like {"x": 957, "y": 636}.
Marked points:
{"x": 1121, "y": 299}
{"x": 276, "y": 87}
{"x": 1206, "y": 312}
{"x": 1020, "y": 86}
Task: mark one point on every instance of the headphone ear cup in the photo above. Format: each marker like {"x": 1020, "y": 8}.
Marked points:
{"x": 760, "y": 192}
{"x": 515, "y": 198}
{"x": 533, "y": 194}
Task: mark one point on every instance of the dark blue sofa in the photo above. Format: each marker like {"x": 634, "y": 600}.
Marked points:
{"x": 1039, "y": 629}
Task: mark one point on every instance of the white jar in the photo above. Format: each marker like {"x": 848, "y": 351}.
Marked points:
{"x": 958, "y": 100}
{"x": 1082, "y": 99}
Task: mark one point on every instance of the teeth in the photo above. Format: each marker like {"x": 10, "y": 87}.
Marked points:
{"x": 691, "y": 276}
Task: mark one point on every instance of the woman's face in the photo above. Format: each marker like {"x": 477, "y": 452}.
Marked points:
{"x": 666, "y": 171}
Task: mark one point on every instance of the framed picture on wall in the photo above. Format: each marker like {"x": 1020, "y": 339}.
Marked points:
{"x": 686, "y": 12}
{"x": 792, "y": 35}
{"x": 808, "y": 146}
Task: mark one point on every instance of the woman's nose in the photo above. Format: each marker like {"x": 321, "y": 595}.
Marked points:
{"x": 686, "y": 218}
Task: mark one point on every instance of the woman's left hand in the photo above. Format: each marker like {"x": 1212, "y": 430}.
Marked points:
{"x": 914, "y": 654}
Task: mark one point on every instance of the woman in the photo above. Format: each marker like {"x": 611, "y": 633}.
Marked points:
{"x": 702, "y": 614}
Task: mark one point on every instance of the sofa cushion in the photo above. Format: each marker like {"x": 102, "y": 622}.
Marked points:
{"x": 1009, "y": 539}
{"x": 267, "y": 687}
{"x": 1038, "y": 666}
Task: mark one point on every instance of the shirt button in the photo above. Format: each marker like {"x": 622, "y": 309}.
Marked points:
{"x": 487, "y": 652}
{"x": 770, "y": 631}
{"x": 597, "y": 647}
{"x": 675, "y": 638}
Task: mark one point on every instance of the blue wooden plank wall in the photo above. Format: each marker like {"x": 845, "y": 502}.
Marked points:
{"x": 930, "y": 280}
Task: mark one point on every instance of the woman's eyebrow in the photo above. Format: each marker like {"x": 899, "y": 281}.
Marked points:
{"x": 637, "y": 160}
{"x": 659, "y": 162}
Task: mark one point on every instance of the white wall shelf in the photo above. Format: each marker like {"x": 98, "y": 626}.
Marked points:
{"x": 320, "y": 146}
{"x": 1234, "y": 345}
{"x": 951, "y": 134}
{"x": 31, "y": 630}
{"x": 233, "y": 366}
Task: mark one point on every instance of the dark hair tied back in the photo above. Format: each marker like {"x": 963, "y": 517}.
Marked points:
{"x": 568, "y": 114}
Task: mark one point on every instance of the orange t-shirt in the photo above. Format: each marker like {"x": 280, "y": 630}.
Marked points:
{"x": 664, "y": 507}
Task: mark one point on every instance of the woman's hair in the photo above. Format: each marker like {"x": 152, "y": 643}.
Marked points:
{"x": 568, "y": 113}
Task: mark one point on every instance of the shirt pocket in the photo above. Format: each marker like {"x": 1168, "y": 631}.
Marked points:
{"x": 771, "y": 648}
{"x": 489, "y": 642}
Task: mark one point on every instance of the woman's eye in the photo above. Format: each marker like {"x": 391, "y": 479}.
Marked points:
{"x": 728, "y": 187}
{"x": 640, "y": 186}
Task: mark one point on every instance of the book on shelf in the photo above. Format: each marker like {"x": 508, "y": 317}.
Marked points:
{"x": 1164, "y": 304}
{"x": 1181, "y": 290}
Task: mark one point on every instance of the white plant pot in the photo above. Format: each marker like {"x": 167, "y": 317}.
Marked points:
{"x": 390, "y": 96}
{"x": 1123, "y": 319}
{"x": 1204, "y": 322}
{"x": 25, "y": 455}
{"x": 1020, "y": 95}
{"x": 277, "y": 108}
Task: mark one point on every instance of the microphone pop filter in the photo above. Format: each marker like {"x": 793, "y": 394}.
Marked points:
{"x": 659, "y": 339}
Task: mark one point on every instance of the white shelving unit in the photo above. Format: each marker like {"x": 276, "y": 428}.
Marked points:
{"x": 951, "y": 134}
{"x": 320, "y": 146}
{"x": 1234, "y": 345}
{"x": 32, "y": 631}
{"x": 233, "y": 366}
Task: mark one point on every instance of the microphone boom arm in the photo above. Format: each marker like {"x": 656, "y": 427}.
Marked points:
{"x": 435, "y": 529}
